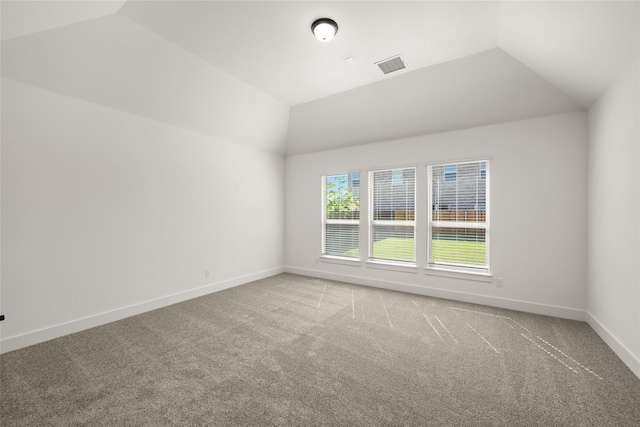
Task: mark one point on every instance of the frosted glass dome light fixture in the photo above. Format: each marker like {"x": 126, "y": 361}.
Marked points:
{"x": 324, "y": 29}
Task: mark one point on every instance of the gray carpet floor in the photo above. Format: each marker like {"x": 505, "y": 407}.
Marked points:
{"x": 293, "y": 350}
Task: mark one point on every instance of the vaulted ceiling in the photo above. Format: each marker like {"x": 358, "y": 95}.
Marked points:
{"x": 469, "y": 63}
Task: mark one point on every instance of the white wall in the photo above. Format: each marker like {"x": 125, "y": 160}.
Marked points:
{"x": 106, "y": 214}
{"x": 614, "y": 217}
{"x": 538, "y": 212}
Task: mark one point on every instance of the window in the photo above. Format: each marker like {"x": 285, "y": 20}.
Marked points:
{"x": 458, "y": 223}
{"x": 341, "y": 215}
{"x": 392, "y": 215}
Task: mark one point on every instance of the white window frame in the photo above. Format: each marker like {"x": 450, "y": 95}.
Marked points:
{"x": 326, "y": 221}
{"x": 453, "y": 267}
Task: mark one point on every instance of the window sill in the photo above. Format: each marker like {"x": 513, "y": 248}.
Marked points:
{"x": 339, "y": 260}
{"x": 455, "y": 273}
{"x": 394, "y": 266}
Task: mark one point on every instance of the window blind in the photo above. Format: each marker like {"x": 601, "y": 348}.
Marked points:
{"x": 341, "y": 216}
{"x": 458, "y": 224}
{"x": 392, "y": 215}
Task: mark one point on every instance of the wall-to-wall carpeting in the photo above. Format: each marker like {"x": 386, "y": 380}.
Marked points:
{"x": 292, "y": 350}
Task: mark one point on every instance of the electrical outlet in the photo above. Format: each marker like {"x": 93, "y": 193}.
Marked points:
{"x": 499, "y": 282}
{"x": 207, "y": 272}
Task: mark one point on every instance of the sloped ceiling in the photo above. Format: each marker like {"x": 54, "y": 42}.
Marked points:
{"x": 485, "y": 88}
{"x": 112, "y": 61}
{"x": 469, "y": 63}
{"x": 580, "y": 47}
{"x": 270, "y": 45}
{"x": 28, "y": 17}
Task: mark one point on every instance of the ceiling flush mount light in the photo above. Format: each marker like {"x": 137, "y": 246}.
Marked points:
{"x": 324, "y": 29}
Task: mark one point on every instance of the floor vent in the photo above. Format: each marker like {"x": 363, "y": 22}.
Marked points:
{"x": 392, "y": 64}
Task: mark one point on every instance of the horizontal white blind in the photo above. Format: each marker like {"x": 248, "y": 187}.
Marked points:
{"x": 341, "y": 217}
{"x": 342, "y": 240}
{"x": 458, "y": 221}
{"x": 393, "y": 214}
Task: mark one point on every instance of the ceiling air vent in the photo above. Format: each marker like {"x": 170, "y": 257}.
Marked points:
{"x": 392, "y": 64}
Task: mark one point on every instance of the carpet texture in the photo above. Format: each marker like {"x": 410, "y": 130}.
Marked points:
{"x": 293, "y": 350}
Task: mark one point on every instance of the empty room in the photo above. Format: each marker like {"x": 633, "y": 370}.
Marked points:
{"x": 340, "y": 213}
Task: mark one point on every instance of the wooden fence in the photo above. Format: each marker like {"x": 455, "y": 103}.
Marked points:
{"x": 440, "y": 215}
{"x": 461, "y": 215}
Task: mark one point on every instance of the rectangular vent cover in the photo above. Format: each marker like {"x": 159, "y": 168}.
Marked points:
{"x": 392, "y": 64}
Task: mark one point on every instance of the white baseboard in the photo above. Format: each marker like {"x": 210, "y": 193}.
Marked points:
{"x": 631, "y": 360}
{"x": 30, "y": 338}
{"x": 510, "y": 304}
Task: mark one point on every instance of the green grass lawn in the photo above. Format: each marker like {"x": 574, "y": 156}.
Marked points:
{"x": 391, "y": 248}
{"x": 461, "y": 252}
